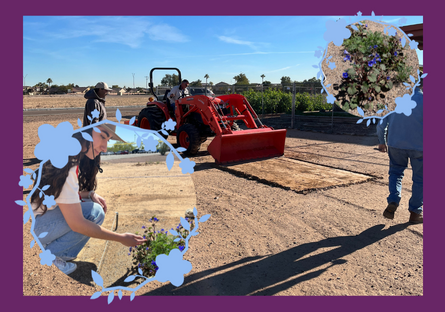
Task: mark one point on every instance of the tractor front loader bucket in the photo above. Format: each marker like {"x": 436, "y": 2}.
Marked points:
{"x": 247, "y": 145}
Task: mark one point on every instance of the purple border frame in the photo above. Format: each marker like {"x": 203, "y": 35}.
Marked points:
{"x": 12, "y": 53}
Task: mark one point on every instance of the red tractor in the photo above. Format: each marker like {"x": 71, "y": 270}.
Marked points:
{"x": 199, "y": 117}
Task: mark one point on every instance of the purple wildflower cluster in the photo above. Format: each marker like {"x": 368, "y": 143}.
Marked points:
{"x": 372, "y": 56}
{"x": 158, "y": 242}
{"x": 375, "y": 56}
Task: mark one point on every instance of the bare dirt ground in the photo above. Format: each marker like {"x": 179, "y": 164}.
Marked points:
{"x": 77, "y": 100}
{"x": 269, "y": 235}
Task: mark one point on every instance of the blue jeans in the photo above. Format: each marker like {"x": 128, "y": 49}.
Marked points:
{"x": 61, "y": 240}
{"x": 398, "y": 162}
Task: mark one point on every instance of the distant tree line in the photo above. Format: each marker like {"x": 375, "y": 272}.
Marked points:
{"x": 170, "y": 80}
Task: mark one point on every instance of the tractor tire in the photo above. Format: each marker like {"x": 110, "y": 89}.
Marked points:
{"x": 188, "y": 137}
{"x": 151, "y": 118}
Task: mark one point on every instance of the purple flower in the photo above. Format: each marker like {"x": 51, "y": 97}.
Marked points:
{"x": 377, "y": 55}
{"x": 162, "y": 230}
{"x": 147, "y": 248}
{"x": 369, "y": 98}
{"x": 345, "y": 52}
{"x": 130, "y": 248}
{"x": 379, "y": 59}
{"x": 366, "y": 25}
{"x": 345, "y": 75}
{"x": 395, "y": 53}
{"x": 129, "y": 253}
{"x": 153, "y": 262}
{"x": 181, "y": 248}
{"x": 387, "y": 78}
{"x": 370, "y": 63}
{"x": 139, "y": 265}
{"x": 143, "y": 226}
{"x": 375, "y": 47}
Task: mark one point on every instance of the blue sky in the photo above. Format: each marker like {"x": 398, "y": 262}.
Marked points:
{"x": 86, "y": 49}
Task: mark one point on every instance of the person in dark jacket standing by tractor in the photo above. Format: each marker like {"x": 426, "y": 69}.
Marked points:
{"x": 95, "y": 100}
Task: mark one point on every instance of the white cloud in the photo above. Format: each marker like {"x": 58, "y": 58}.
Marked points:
{"x": 166, "y": 32}
{"x": 263, "y": 53}
{"x": 278, "y": 70}
{"x": 237, "y": 41}
{"x": 126, "y": 30}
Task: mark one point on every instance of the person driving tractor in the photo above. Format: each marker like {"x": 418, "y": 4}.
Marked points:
{"x": 178, "y": 92}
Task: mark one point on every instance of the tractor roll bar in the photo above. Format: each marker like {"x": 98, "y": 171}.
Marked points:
{"x": 161, "y": 68}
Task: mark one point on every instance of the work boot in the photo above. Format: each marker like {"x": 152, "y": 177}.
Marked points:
{"x": 390, "y": 210}
{"x": 416, "y": 218}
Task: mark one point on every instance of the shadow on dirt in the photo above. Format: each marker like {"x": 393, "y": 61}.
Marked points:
{"x": 269, "y": 275}
{"x": 120, "y": 282}
{"x": 30, "y": 162}
{"x": 83, "y": 272}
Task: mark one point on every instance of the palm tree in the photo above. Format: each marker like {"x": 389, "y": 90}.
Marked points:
{"x": 49, "y": 82}
{"x": 206, "y": 77}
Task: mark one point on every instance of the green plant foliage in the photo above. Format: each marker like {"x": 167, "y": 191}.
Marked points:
{"x": 277, "y": 101}
{"x": 372, "y": 55}
{"x": 158, "y": 242}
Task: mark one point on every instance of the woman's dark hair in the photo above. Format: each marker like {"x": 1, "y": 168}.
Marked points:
{"x": 55, "y": 177}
